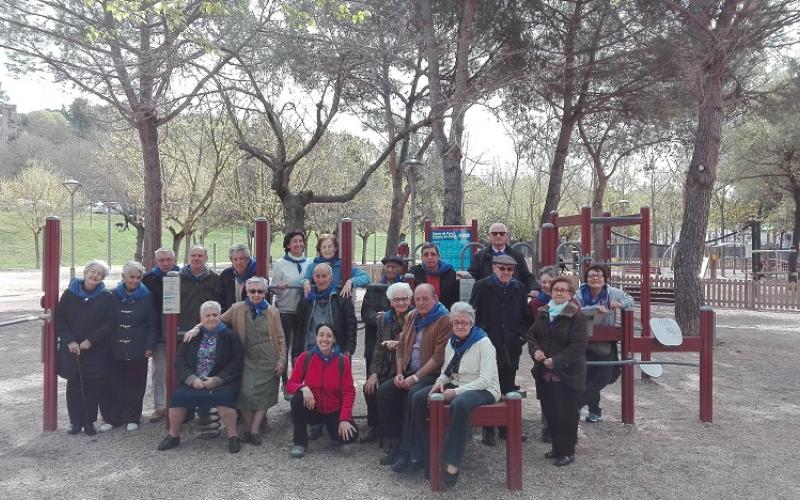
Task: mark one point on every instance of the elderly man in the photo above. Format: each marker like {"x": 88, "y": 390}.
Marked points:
{"x": 231, "y": 280}
{"x": 481, "y": 266}
{"x": 324, "y": 305}
{"x": 154, "y": 281}
{"x": 376, "y": 302}
{"x": 418, "y": 361}
{"x": 501, "y": 305}
{"x": 199, "y": 284}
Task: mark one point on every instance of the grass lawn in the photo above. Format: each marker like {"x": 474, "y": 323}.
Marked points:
{"x": 17, "y": 247}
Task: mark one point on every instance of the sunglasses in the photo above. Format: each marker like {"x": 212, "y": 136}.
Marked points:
{"x": 257, "y": 291}
{"x": 498, "y": 233}
{"x": 505, "y": 268}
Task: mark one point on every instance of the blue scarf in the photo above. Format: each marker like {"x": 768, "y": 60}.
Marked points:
{"x": 543, "y": 297}
{"x": 257, "y": 309}
{"x": 159, "y": 273}
{"x": 325, "y": 359}
{"x": 128, "y": 298}
{"x": 588, "y": 300}
{"x": 187, "y": 271}
{"x": 439, "y": 310}
{"x": 212, "y": 333}
{"x": 500, "y": 284}
{"x": 443, "y": 268}
{"x": 460, "y": 346}
{"x": 76, "y": 287}
{"x": 495, "y": 253}
{"x": 316, "y": 295}
{"x": 249, "y": 271}
{"x": 554, "y": 309}
{"x": 333, "y": 261}
{"x": 397, "y": 279}
{"x": 299, "y": 262}
{"x": 389, "y": 317}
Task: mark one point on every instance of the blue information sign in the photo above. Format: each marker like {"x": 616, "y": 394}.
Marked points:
{"x": 451, "y": 240}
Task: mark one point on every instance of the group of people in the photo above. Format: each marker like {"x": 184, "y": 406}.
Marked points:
{"x": 235, "y": 349}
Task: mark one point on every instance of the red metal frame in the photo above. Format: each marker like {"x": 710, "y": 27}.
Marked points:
{"x": 262, "y": 238}
{"x": 171, "y": 337}
{"x": 506, "y": 413}
{"x": 50, "y": 276}
{"x": 404, "y": 251}
{"x": 346, "y": 248}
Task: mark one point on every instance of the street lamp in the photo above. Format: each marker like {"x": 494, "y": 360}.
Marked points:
{"x": 72, "y": 187}
{"x": 410, "y": 164}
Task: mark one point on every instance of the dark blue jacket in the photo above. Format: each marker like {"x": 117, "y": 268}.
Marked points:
{"x": 138, "y": 328}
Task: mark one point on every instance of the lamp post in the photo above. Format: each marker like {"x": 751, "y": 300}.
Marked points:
{"x": 108, "y": 228}
{"x": 410, "y": 164}
{"x": 72, "y": 187}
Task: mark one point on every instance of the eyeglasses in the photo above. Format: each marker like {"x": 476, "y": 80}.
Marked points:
{"x": 559, "y": 290}
{"x": 401, "y": 299}
{"x": 498, "y": 233}
{"x": 459, "y": 323}
{"x": 257, "y": 291}
{"x": 505, "y": 268}
{"x": 593, "y": 276}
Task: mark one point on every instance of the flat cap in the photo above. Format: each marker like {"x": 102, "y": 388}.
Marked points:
{"x": 392, "y": 258}
{"x": 504, "y": 259}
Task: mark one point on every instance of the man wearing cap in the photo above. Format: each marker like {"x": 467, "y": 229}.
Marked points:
{"x": 375, "y": 302}
{"x": 501, "y": 310}
{"x": 481, "y": 266}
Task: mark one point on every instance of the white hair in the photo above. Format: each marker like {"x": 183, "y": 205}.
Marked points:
{"x": 99, "y": 265}
{"x": 400, "y": 288}
{"x": 463, "y": 308}
{"x": 130, "y": 266}
{"x": 208, "y": 305}
{"x": 239, "y": 247}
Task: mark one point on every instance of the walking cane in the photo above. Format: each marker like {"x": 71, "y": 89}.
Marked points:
{"x": 83, "y": 391}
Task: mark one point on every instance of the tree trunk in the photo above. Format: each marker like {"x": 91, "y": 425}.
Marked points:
{"x": 553, "y": 196}
{"x": 138, "y": 254}
{"x": 697, "y": 202}
{"x": 598, "y": 196}
{"x": 294, "y": 212}
{"x": 177, "y": 239}
{"x": 364, "y": 240}
{"x": 795, "y": 238}
{"x": 396, "y": 213}
{"x": 147, "y": 125}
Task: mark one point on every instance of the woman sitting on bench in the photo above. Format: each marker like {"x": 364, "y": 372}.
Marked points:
{"x": 468, "y": 381}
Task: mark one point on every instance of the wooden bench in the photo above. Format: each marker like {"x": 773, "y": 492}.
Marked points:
{"x": 507, "y": 413}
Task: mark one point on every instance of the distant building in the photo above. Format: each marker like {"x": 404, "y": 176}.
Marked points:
{"x": 8, "y": 120}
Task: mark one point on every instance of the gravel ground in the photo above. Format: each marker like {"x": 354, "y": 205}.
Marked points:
{"x": 750, "y": 451}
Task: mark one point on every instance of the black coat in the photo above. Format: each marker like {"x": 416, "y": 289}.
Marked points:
{"x": 375, "y": 301}
{"x": 481, "y": 267}
{"x": 77, "y": 320}
{"x": 448, "y": 283}
{"x": 501, "y": 312}
{"x": 138, "y": 328}
{"x": 193, "y": 294}
{"x": 564, "y": 341}
{"x": 226, "y": 289}
{"x": 155, "y": 284}
{"x": 228, "y": 366}
{"x": 344, "y": 324}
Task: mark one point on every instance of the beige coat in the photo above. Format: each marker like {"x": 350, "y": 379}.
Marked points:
{"x": 236, "y": 319}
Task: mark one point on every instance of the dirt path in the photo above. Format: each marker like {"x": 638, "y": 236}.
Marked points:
{"x": 750, "y": 451}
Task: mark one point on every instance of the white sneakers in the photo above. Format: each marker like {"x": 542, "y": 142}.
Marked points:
{"x": 105, "y": 428}
{"x": 132, "y": 427}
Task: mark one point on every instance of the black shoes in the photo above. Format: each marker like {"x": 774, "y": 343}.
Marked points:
{"x": 546, "y": 438}
{"x": 405, "y": 464}
{"x": 370, "y": 436}
{"x": 565, "y": 460}
{"x": 314, "y": 432}
{"x": 89, "y": 430}
{"x": 450, "y": 479}
{"x": 390, "y": 457}
{"x": 255, "y": 439}
{"x": 234, "y": 445}
{"x": 168, "y": 443}
{"x": 551, "y": 454}
{"x": 74, "y": 429}
{"x": 488, "y": 437}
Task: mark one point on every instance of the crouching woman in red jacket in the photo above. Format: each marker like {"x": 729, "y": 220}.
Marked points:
{"x": 323, "y": 392}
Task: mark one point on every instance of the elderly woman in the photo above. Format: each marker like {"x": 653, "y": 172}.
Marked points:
{"x": 289, "y": 272}
{"x": 328, "y": 253}
{"x": 468, "y": 381}
{"x": 132, "y": 344}
{"x": 598, "y": 297}
{"x": 86, "y": 319}
{"x": 209, "y": 369}
{"x": 438, "y": 273}
{"x": 557, "y": 344}
{"x": 389, "y": 324}
{"x": 322, "y": 384}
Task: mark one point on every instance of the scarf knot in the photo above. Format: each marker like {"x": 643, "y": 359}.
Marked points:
{"x": 439, "y": 310}
{"x": 214, "y": 331}
{"x": 298, "y": 262}
{"x": 249, "y": 271}
{"x": 315, "y": 294}
{"x": 76, "y": 287}
{"x": 257, "y": 309}
{"x": 588, "y": 300}
{"x": 461, "y": 346}
{"x": 138, "y": 293}
{"x": 443, "y": 268}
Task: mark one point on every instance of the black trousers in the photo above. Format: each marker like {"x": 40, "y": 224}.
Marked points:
{"x": 82, "y": 406}
{"x": 121, "y": 402}
{"x": 373, "y": 417}
{"x": 394, "y": 418}
{"x": 558, "y": 403}
{"x": 597, "y": 377}
{"x": 287, "y": 322}
{"x": 370, "y": 336}
{"x": 302, "y": 417}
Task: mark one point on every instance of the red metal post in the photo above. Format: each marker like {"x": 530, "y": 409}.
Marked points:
{"x": 262, "y": 247}
{"x": 645, "y": 295}
{"x": 436, "y": 444}
{"x": 605, "y": 251}
{"x": 50, "y": 276}
{"x": 554, "y": 222}
{"x": 346, "y": 248}
{"x": 586, "y": 238}
{"x": 514, "y": 443}
{"x": 707, "y": 325}
{"x": 475, "y": 238}
{"x": 627, "y": 370}
{"x": 428, "y": 225}
{"x": 549, "y": 245}
{"x": 403, "y": 251}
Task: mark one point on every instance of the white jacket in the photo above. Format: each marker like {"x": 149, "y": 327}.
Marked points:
{"x": 477, "y": 370}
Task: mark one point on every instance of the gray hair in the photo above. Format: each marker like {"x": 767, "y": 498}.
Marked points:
{"x": 99, "y": 265}
{"x": 239, "y": 247}
{"x": 208, "y": 305}
{"x": 463, "y": 308}
{"x": 396, "y": 289}
{"x": 164, "y": 250}
{"x": 130, "y": 266}
{"x": 324, "y": 266}
{"x": 256, "y": 280}
{"x": 552, "y": 271}
{"x": 199, "y": 247}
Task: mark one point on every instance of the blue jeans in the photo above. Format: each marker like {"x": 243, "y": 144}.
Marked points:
{"x": 460, "y": 410}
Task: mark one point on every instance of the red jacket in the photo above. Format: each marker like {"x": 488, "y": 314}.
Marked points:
{"x": 331, "y": 392}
